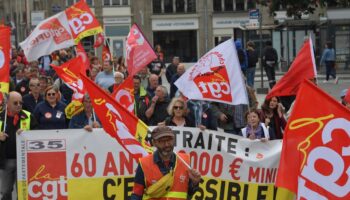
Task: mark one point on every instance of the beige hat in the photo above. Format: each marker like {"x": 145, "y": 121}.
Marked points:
{"x": 162, "y": 131}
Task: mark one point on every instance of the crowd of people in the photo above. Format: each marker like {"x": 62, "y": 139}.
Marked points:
{"x": 38, "y": 98}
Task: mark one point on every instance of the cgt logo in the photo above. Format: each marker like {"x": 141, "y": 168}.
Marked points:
{"x": 47, "y": 176}
{"x": 52, "y": 29}
{"x": 215, "y": 85}
{"x": 48, "y": 189}
{"x": 78, "y": 24}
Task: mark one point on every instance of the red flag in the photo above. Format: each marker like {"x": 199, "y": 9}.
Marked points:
{"x": 138, "y": 51}
{"x": 99, "y": 40}
{"x": 69, "y": 72}
{"x": 124, "y": 94}
{"x": 81, "y": 53}
{"x": 5, "y": 48}
{"x": 347, "y": 96}
{"x": 117, "y": 121}
{"x": 315, "y": 156}
{"x": 303, "y": 67}
{"x": 82, "y": 21}
{"x": 106, "y": 54}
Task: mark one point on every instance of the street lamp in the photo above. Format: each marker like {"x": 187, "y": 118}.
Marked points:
{"x": 261, "y": 90}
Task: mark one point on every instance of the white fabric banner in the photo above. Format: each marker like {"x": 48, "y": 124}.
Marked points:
{"x": 216, "y": 76}
{"x": 50, "y": 35}
{"x": 75, "y": 164}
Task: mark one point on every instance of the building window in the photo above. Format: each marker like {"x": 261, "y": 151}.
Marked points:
{"x": 115, "y": 2}
{"x": 233, "y": 5}
{"x": 191, "y": 6}
{"x": 71, "y": 2}
{"x": 217, "y": 5}
{"x": 174, "y": 6}
{"x": 180, "y": 6}
{"x": 228, "y": 5}
{"x": 240, "y": 5}
{"x": 157, "y": 6}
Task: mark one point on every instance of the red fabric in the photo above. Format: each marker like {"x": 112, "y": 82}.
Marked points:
{"x": 69, "y": 72}
{"x": 139, "y": 52}
{"x": 118, "y": 122}
{"x": 124, "y": 94}
{"x": 138, "y": 189}
{"x": 82, "y": 21}
{"x": 317, "y": 122}
{"x": 99, "y": 40}
{"x": 106, "y": 54}
{"x": 347, "y": 96}
{"x": 81, "y": 53}
{"x": 5, "y": 47}
{"x": 303, "y": 67}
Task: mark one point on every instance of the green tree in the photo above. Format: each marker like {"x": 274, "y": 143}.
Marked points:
{"x": 298, "y": 7}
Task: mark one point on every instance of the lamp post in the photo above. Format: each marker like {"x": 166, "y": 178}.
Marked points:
{"x": 261, "y": 90}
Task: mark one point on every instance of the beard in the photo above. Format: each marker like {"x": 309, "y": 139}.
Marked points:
{"x": 166, "y": 151}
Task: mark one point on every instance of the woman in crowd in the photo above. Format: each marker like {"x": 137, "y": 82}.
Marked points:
{"x": 255, "y": 129}
{"x": 272, "y": 115}
{"x": 159, "y": 51}
{"x": 177, "y": 110}
{"x": 85, "y": 119}
{"x": 50, "y": 113}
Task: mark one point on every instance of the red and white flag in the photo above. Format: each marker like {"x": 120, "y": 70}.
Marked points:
{"x": 315, "y": 158}
{"x": 124, "y": 94}
{"x": 118, "y": 122}
{"x": 69, "y": 72}
{"x": 99, "y": 40}
{"x": 5, "y": 48}
{"x": 82, "y": 21}
{"x": 139, "y": 52}
{"x": 49, "y": 35}
{"x": 216, "y": 77}
{"x": 303, "y": 67}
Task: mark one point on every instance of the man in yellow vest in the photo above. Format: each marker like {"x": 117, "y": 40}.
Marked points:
{"x": 17, "y": 120}
{"x": 165, "y": 174}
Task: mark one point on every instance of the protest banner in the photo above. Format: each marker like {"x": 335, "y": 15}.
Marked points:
{"x": 74, "y": 164}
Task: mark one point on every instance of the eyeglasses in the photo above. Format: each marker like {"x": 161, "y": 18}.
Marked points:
{"x": 34, "y": 85}
{"x": 178, "y": 107}
{"x": 17, "y": 103}
{"x": 51, "y": 94}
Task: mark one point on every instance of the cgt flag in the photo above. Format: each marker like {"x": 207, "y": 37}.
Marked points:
{"x": 118, "y": 122}
{"x": 5, "y": 48}
{"x": 315, "y": 156}
{"x": 99, "y": 40}
{"x": 303, "y": 67}
{"x": 124, "y": 94}
{"x": 82, "y": 21}
{"x": 69, "y": 72}
{"x": 106, "y": 54}
{"x": 50, "y": 35}
{"x": 215, "y": 77}
{"x": 139, "y": 52}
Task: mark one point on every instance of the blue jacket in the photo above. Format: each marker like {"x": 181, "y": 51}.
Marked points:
{"x": 239, "y": 48}
{"x": 80, "y": 120}
{"x": 328, "y": 55}
{"x": 50, "y": 117}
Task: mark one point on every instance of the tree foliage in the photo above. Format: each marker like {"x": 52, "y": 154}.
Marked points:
{"x": 298, "y": 7}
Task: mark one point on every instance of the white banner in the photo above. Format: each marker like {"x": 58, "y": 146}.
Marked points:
{"x": 75, "y": 164}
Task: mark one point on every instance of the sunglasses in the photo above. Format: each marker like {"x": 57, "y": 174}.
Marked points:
{"x": 34, "y": 85}
{"x": 51, "y": 94}
{"x": 17, "y": 103}
{"x": 178, "y": 107}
